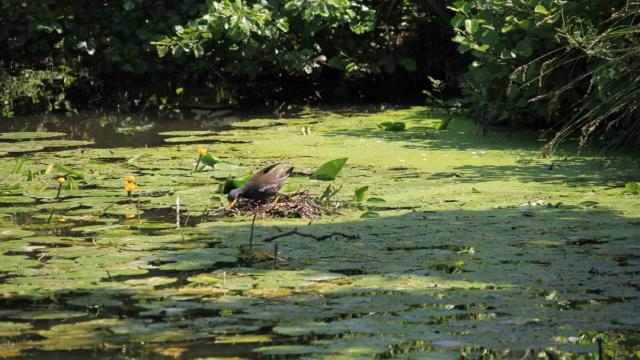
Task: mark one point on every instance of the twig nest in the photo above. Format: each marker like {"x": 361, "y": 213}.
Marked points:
{"x": 298, "y": 205}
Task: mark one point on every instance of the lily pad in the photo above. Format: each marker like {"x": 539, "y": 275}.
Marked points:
{"x": 286, "y": 350}
{"x": 28, "y": 135}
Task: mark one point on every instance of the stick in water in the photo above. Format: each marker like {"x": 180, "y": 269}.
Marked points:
{"x": 178, "y": 211}
{"x": 253, "y": 222}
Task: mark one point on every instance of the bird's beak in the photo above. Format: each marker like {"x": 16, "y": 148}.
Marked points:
{"x": 230, "y": 204}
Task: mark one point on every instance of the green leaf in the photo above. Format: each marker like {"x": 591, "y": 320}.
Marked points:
{"x": 179, "y": 91}
{"x": 443, "y": 124}
{"x": 209, "y": 160}
{"x": 475, "y": 191}
{"x": 234, "y": 183}
{"x": 162, "y": 50}
{"x": 70, "y": 172}
{"x": 329, "y": 170}
{"x": 370, "y": 215}
{"x": 541, "y": 10}
{"x": 305, "y": 130}
{"x": 632, "y": 187}
{"x": 19, "y": 164}
{"x": 376, "y": 200}
{"x": 589, "y": 203}
{"x": 524, "y": 47}
{"x": 198, "y": 50}
{"x": 392, "y": 126}
{"x": 129, "y": 5}
{"x": 408, "y": 64}
{"x": 471, "y": 25}
{"x": 361, "y": 194}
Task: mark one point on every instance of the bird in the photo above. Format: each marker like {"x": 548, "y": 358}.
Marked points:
{"x": 262, "y": 186}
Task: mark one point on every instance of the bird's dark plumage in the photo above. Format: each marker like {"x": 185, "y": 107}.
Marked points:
{"x": 263, "y": 185}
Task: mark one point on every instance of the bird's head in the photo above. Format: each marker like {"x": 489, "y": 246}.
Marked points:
{"x": 233, "y": 196}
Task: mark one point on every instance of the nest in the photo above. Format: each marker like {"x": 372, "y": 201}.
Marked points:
{"x": 298, "y": 205}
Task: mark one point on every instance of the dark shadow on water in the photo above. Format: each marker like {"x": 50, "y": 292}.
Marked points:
{"x": 113, "y": 129}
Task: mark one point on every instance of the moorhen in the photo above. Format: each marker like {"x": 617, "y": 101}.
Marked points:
{"x": 262, "y": 186}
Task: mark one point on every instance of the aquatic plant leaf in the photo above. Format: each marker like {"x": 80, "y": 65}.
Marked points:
{"x": 37, "y": 145}
{"x": 475, "y": 190}
{"x": 68, "y": 171}
{"x": 209, "y": 160}
{"x": 443, "y": 124}
{"x": 361, "y": 194}
{"x": 8, "y": 329}
{"x": 187, "y": 133}
{"x": 193, "y": 139}
{"x": 243, "y": 339}
{"x": 392, "y": 126}
{"x": 329, "y": 170}
{"x": 28, "y": 135}
{"x": 286, "y": 350}
{"x": 20, "y": 161}
{"x": 588, "y": 203}
{"x": 234, "y": 183}
{"x": 16, "y": 200}
{"x": 632, "y": 187}
{"x": 370, "y": 215}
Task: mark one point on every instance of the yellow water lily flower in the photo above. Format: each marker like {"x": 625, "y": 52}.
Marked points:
{"x": 130, "y": 178}
{"x": 201, "y": 151}
{"x": 61, "y": 180}
{"x": 129, "y": 187}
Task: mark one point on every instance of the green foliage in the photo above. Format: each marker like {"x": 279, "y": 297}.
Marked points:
{"x": 326, "y": 199}
{"x": 44, "y": 88}
{"x": 149, "y": 51}
{"x": 329, "y": 170}
{"x": 534, "y": 60}
{"x": 295, "y": 36}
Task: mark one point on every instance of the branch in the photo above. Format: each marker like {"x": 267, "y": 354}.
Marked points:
{"x": 318, "y": 238}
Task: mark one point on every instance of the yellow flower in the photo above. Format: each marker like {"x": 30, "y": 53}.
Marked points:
{"x": 129, "y": 187}
{"x": 201, "y": 151}
{"x": 130, "y": 216}
{"x": 61, "y": 180}
{"x": 130, "y": 178}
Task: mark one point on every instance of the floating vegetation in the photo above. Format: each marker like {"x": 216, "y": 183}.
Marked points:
{"x": 416, "y": 264}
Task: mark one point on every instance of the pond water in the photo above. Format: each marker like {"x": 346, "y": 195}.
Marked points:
{"x": 468, "y": 245}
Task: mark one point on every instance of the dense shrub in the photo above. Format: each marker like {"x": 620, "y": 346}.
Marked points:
{"x": 551, "y": 63}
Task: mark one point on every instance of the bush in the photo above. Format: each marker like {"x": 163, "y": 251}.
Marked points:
{"x": 550, "y": 63}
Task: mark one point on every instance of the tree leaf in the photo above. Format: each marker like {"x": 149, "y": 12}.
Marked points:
{"x": 409, "y": 64}
{"x": 329, "y": 170}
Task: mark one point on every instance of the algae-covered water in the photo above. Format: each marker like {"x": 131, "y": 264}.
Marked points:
{"x": 468, "y": 246}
